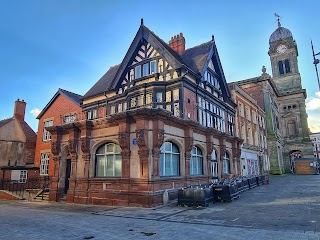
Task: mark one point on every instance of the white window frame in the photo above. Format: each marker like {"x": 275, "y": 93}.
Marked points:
{"x": 196, "y": 161}
{"x": 44, "y": 164}
{"x": 109, "y": 158}
{"x": 226, "y": 164}
{"x": 167, "y": 156}
{"x": 46, "y": 134}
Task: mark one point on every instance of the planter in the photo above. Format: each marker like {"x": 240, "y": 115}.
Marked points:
{"x": 195, "y": 196}
{"x": 226, "y": 192}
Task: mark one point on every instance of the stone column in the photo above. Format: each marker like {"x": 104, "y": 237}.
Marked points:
{"x": 124, "y": 142}
{"x": 158, "y": 138}
{"x": 54, "y": 186}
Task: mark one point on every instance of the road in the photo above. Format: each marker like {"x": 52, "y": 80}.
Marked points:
{"x": 287, "y": 208}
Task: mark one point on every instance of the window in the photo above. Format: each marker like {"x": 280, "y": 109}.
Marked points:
{"x": 159, "y": 97}
{"x": 69, "y": 118}
{"x": 169, "y": 160}
{"x": 196, "y": 161}
{"x": 280, "y": 65}
{"x": 46, "y": 134}
{"x": 145, "y": 69}
{"x": 19, "y": 176}
{"x": 153, "y": 67}
{"x": 287, "y": 66}
{"x": 44, "y": 164}
{"x": 241, "y": 111}
{"x": 226, "y": 163}
{"x": 108, "y": 161}
{"x": 248, "y": 114}
{"x": 137, "y": 72}
{"x": 214, "y": 164}
{"x": 92, "y": 114}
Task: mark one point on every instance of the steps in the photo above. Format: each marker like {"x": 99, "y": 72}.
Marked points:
{"x": 42, "y": 196}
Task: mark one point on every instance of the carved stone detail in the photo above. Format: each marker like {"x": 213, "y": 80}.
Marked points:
{"x": 160, "y": 138}
{"x": 85, "y": 145}
{"x": 143, "y": 153}
{"x": 55, "y": 148}
{"x": 123, "y": 139}
{"x": 72, "y": 146}
{"x": 125, "y": 153}
{"x": 141, "y": 137}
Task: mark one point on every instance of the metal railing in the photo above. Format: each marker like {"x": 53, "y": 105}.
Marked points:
{"x": 19, "y": 188}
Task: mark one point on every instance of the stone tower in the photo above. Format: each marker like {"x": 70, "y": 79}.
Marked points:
{"x": 283, "y": 54}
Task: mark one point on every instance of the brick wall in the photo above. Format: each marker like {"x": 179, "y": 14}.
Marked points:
{"x": 7, "y": 196}
{"x": 60, "y": 107}
{"x": 257, "y": 93}
{"x": 190, "y": 104}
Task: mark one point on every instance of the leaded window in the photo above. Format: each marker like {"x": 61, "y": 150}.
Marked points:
{"x": 108, "y": 161}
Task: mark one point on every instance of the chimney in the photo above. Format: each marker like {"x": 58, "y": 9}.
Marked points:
{"x": 19, "y": 110}
{"x": 178, "y": 43}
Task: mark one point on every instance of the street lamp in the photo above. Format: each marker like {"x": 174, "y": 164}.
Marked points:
{"x": 315, "y": 62}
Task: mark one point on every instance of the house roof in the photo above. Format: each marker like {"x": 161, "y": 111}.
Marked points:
{"x": 195, "y": 59}
{"x": 28, "y": 132}
{"x": 73, "y": 97}
{"x": 5, "y": 121}
{"x": 104, "y": 83}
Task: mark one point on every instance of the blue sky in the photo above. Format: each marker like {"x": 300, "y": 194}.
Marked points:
{"x": 70, "y": 44}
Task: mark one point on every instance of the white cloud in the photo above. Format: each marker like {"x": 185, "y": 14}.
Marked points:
{"x": 314, "y": 122}
{"x": 314, "y": 103}
{"x": 35, "y": 112}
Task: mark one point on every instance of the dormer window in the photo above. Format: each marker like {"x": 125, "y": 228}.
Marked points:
{"x": 145, "y": 69}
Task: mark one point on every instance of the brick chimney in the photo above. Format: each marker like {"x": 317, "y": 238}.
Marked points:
{"x": 178, "y": 43}
{"x": 19, "y": 110}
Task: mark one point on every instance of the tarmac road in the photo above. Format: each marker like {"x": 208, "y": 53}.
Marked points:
{"x": 287, "y": 208}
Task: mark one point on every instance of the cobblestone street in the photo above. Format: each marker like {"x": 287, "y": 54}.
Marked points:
{"x": 287, "y": 208}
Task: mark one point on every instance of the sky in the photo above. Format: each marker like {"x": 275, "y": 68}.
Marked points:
{"x": 46, "y": 45}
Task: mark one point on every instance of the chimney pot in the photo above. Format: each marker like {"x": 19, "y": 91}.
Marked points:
{"x": 178, "y": 43}
{"x": 19, "y": 110}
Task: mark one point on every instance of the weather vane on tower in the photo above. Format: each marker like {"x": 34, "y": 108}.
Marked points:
{"x": 278, "y": 18}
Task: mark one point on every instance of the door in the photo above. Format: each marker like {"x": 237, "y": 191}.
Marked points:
{"x": 68, "y": 170}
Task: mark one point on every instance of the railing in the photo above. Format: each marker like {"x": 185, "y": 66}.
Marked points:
{"x": 18, "y": 188}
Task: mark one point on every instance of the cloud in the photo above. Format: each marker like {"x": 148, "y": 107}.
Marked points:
{"x": 35, "y": 112}
{"x": 314, "y": 103}
{"x": 313, "y": 122}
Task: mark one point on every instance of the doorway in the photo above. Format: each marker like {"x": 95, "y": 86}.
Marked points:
{"x": 68, "y": 171}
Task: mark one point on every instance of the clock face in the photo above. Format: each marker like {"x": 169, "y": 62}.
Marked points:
{"x": 281, "y": 48}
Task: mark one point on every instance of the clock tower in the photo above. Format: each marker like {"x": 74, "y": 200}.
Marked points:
{"x": 283, "y": 54}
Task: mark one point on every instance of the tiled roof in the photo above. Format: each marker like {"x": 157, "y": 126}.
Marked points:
{"x": 5, "y": 121}
{"x": 28, "y": 132}
{"x": 73, "y": 96}
{"x": 196, "y": 57}
{"x": 76, "y": 98}
{"x": 104, "y": 82}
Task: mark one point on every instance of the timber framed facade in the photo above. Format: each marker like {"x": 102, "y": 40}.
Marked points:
{"x": 161, "y": 120}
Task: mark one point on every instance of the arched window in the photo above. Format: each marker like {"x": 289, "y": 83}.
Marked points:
{"x": 169, "y": 160}
{"x": 226, "y": 163}
{"x": 196, "y": 161}
{"x": 214, "y": 164}
{"x": 108, "y": 161}
{"x": 280, "y": 65}
{"x": 287, "y": 66}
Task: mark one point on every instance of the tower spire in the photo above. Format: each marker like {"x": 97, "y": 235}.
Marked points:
{"x": 278, "y": 18}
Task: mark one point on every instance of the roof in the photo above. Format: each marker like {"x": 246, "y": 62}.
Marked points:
{"x": 196, "y": 57}
{"x": 5, "y": 121}
{"x": 73, "y": 97}
{"x": 104, "y": 83}
{"x": 28, "y": 132}
{"x": 279, "y": 34}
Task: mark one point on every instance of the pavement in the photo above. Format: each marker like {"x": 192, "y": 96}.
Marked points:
{"x": 287, "y": 208}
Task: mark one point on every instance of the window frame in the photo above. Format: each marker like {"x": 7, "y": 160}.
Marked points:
{"x": 105, "y": 161}
{"x": 196, "y": 161}
{"x": 46, "y": 134}
{"x": 44, "y": 163}
{"x": 170, "y": 160}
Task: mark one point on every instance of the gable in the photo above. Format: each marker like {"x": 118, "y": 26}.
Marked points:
{"x": 146, "y": 65}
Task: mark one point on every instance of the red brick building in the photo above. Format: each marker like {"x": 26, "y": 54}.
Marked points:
{"x": 63, "y": 108}
{"x": 160, "y": 120}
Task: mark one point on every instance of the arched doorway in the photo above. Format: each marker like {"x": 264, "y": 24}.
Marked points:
{"x": 64, "y": 172}
{"x": 294, "y": 154}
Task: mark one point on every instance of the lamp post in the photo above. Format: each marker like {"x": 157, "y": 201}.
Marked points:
{"x": 315, "y": 62}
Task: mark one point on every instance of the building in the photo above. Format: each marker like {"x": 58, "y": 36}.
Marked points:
{"x": 283, "y": 54}
{"x": 17, "y": 146}
{"x": 264, "y": 91}
{"x": 251, "y": 127}
{"x": 160, "y": 120}
{"x": 315, "y": 139}
{"x": 63, "y": 109}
